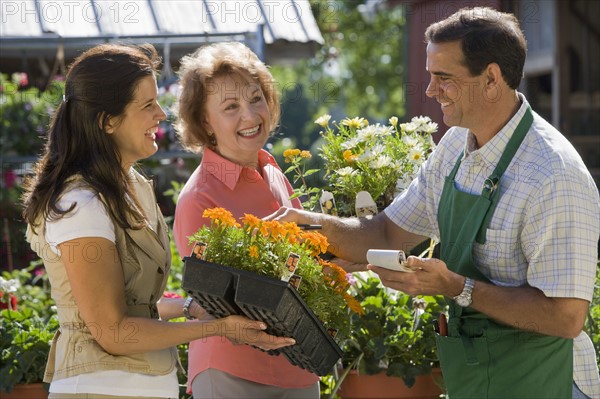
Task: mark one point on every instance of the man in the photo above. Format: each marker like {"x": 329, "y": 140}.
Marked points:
{"x": 518, "y": 219}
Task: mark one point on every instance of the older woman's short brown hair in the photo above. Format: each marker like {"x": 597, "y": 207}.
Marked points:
{"x": 199, "y": 70}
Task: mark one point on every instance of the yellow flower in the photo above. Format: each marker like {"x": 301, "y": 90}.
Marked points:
{"x": 323, "y": 120}
{"x": 253, "y": 251}
{"x": 290, "y": 154}
{"x": 349, "y": 156}
{"x": 305, "y": 154}
{"x": 355, "y": 122}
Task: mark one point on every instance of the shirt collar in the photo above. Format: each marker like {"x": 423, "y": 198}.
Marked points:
{"x": 229, "y": 172}
{"x": 494, "y": 148}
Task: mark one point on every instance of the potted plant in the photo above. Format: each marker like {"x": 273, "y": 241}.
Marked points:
{"x": 395, "y": 336}
{"x": 27, "y": 325}
{"x": 271, "y": 271}
{"x": 378, "y": 159}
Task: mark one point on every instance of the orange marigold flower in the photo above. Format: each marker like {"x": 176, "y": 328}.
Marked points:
{"x": 221, "y": 216}
{"x": 265, "y": 229}
{"x": 334, "y": 275}
{"x": 354, "y": 304}
{"x": 293, "y": 231}
{"x": 253, "y": 251}
{"x": 251, "y": 220}
{"x": 349, "y": 156}
{"x": 277, "y": 229}
{"x": 316, "y": 242}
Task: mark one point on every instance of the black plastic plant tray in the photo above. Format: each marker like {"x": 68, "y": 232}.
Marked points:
{"x": 262, "y": 298}
{"x": 213, "y": 287}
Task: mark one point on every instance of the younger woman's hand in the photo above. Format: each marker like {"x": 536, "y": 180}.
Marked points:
{"x": 241, "y": 330}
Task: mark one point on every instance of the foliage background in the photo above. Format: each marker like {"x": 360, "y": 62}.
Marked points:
{"x": 352, "y": 74}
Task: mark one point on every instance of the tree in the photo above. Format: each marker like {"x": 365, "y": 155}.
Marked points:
{"x": 358, "y": 71}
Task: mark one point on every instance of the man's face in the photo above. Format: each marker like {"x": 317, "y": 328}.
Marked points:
{"x": 460, "y": 95}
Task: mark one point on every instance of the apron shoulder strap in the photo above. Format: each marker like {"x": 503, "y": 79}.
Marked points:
{"x": 492, "y": 183}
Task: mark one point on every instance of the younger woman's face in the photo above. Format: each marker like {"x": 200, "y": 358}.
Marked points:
{"x": 135, "y": 133}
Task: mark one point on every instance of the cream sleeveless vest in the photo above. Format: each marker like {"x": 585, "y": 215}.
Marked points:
{"x": 146, "y": 259}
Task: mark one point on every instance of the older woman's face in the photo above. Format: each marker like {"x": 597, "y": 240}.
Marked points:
{"x": 238, "y": 115}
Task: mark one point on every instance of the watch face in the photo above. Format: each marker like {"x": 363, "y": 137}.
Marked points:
{"x": 463, "y": 301}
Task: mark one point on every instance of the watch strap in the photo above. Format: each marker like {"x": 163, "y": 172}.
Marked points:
{"x": 186, "y": 308}
{"x": 465, "y": 298}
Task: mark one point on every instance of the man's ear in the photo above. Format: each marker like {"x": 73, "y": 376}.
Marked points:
{"x": 493, "y": 74}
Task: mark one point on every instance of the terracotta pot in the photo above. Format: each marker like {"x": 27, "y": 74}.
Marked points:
{"x": 26, "y": 391}
{"x": 381, "y": 386}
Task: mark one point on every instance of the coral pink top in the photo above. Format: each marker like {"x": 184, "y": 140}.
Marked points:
{"x": 218, "y": 182}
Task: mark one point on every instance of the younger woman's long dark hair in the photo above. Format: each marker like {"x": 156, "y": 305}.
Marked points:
{"x": 100, "y": 83}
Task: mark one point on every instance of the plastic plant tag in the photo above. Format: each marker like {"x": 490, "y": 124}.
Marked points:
{"x": 295, "y": 281}
{"x": 332, "y": 332}
{"x": 199, "y": 250}
{"x": 365, "y": 206}
{"x": 290, "y": 264}
{"x": 328, "y": 203}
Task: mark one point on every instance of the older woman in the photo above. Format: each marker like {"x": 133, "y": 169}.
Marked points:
{"x": 227, "y": 111}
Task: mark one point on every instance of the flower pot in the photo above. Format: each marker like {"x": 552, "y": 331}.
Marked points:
{"x": 223, "y": 290}
{"x": 381, "y": 386}
{"x": 26, "y": 391}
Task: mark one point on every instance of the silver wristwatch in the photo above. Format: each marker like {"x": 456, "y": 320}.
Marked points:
{"x": 464, "y": 299}
{"x": 186, "y": 308}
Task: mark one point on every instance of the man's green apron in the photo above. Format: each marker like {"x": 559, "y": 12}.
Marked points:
{"x": 481, "y": 358}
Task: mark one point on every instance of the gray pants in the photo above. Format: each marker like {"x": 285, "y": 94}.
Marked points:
{"x": 216, "y": 384}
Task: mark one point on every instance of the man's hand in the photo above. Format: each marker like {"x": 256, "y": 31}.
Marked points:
{"x": 297, "y": 216}
{"x": 431, "y": 277}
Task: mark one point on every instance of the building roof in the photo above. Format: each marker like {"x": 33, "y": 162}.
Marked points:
{"x": 278, "y": 30}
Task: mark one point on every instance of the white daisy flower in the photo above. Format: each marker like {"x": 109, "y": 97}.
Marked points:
{"x": 350, "y": 144}
{"x": 381, "y": 162}
{"x": 371, "y": 132}
{"x": 347, "y": 171}
{"x": 323, "y": 120}
{"x": 430, "y": 127}
{"x": 420, "y": 120}
{"x": 409, "y": 128}
{"x": 410, "y": 140}
{"x": 416, "y": 155}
